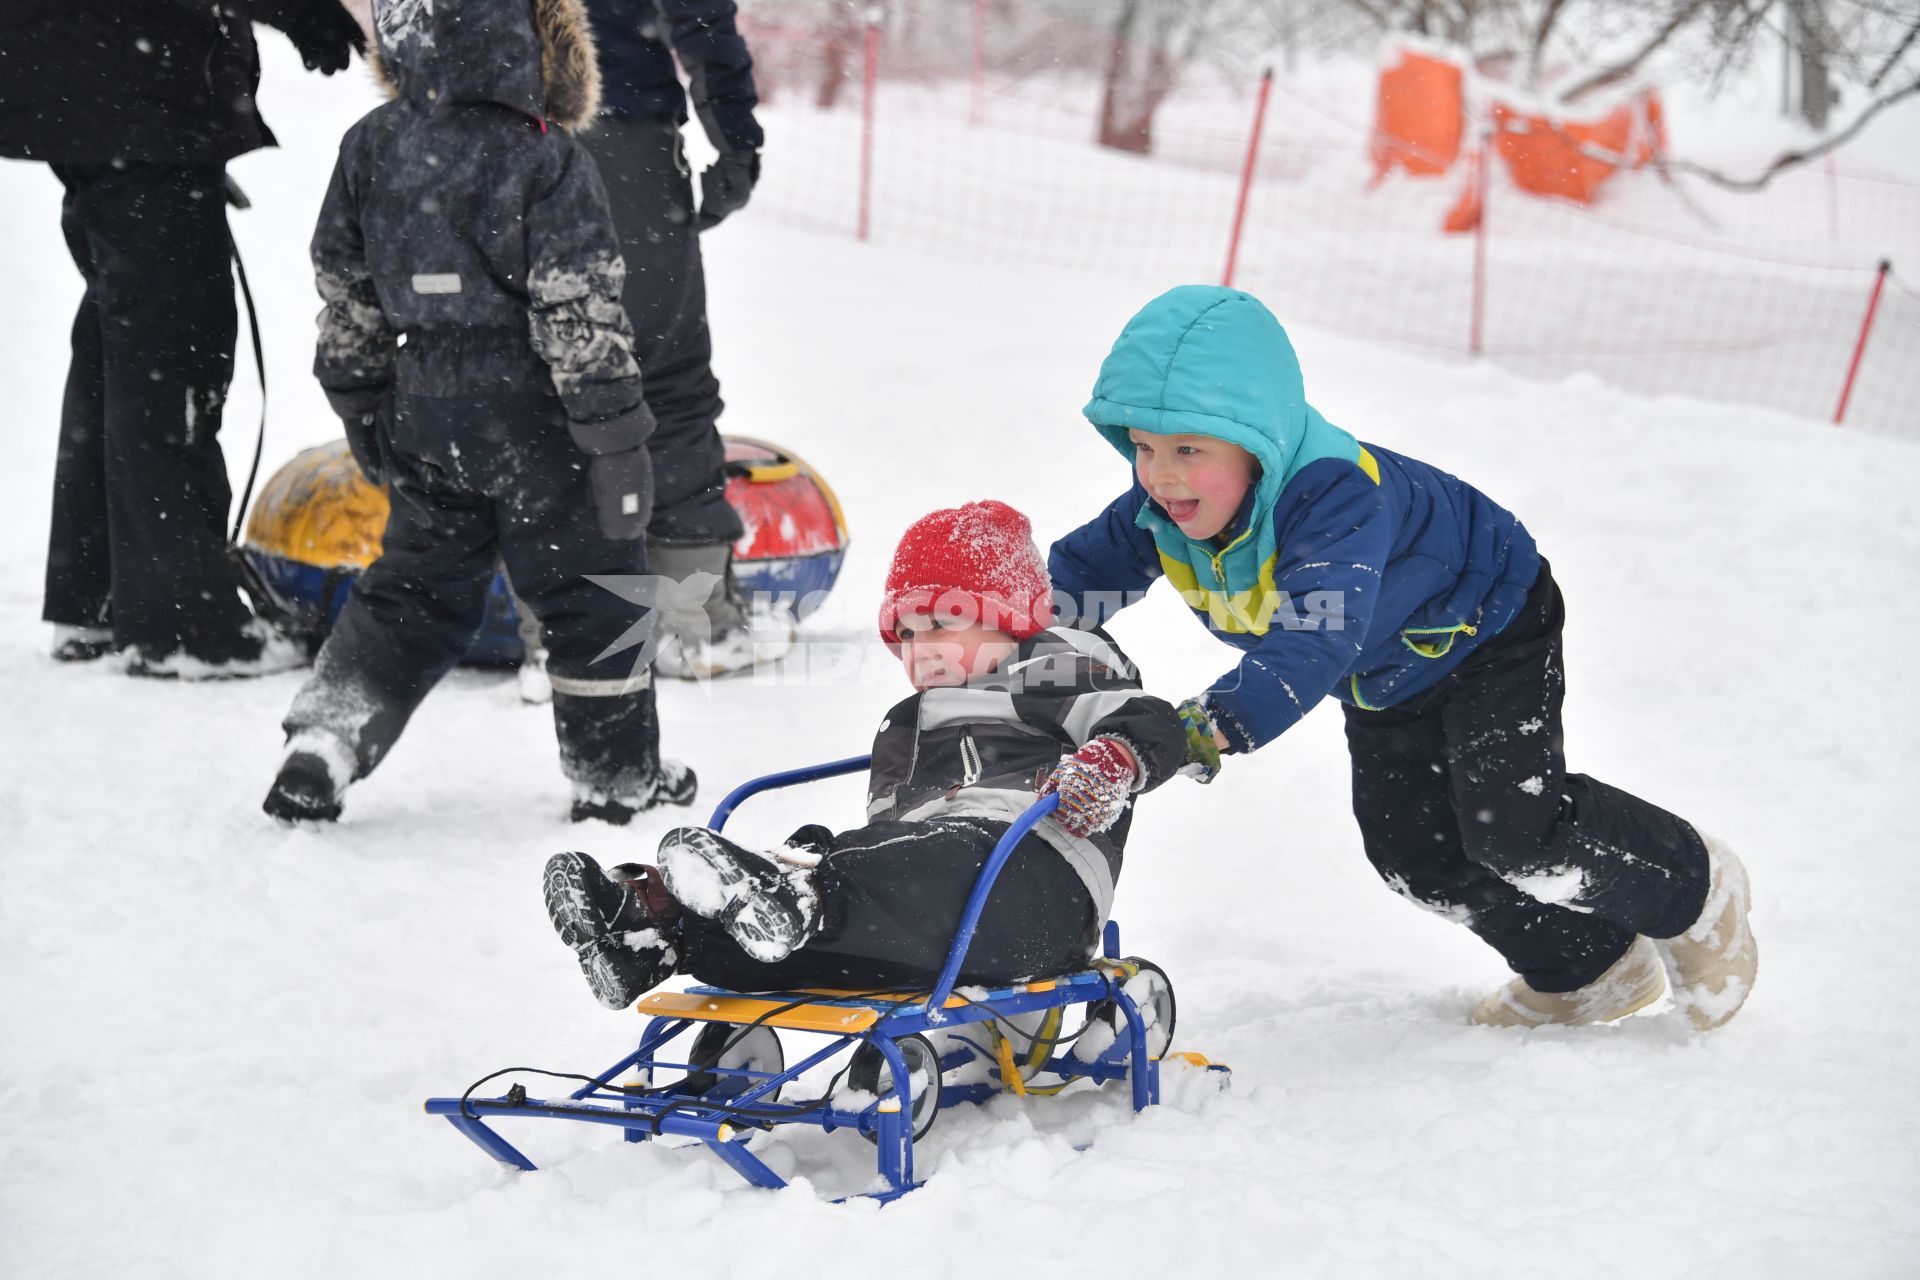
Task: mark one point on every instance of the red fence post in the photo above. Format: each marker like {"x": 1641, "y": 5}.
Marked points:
{"x": 870, "y": 75}
{"x": 1246, "y": 176}
{"x": 1860, "y": 345}
{"x": 977, "y": 107}
{"x": 1482, "y": 162}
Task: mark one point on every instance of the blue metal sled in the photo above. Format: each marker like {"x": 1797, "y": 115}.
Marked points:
{"x": 727, "y": 1082}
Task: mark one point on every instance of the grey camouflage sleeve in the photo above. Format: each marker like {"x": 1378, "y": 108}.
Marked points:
{"x": 579, "y": 325}
{"x": 354, "y": 347}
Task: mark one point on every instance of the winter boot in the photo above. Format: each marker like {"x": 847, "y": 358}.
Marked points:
{"x": 265, "y": 650}
{"x": 1712, "y": 964}
{"x": 81, "y": 644}
{"x": 675, "y": 783}
{"x": 623, "y": 925}
{"x": 767, "y": 906}
{"x": 314, "y": 774}
{"x": 708, "y": 630}
{"x": 536, "y": 688}
{"x": 764, "y": 636}
{"x": 1634, "y": 981}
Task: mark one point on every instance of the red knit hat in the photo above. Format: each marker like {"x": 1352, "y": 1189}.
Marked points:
{"x": 975, "y": 563}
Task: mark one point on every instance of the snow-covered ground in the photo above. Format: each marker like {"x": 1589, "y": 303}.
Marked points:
{"x": 218, "y": 1032}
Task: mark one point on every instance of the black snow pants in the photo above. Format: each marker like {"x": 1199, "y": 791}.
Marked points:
{"x": 651, "y": 196}
{"x": 140, "y": 493}
{"x": 892, "y": 894}
{"x": 471, "y": 482}
{"x": 1466, "y": 808}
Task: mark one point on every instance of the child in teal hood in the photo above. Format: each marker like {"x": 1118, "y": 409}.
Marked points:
{"x": 1343, "y": 568}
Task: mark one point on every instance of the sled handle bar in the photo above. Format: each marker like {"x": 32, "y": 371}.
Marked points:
{"x": 982, "y": 886}
{"x": 774, "y": 781}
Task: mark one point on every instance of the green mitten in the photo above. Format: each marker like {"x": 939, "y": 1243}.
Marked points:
{"x": 1203, "y": 750}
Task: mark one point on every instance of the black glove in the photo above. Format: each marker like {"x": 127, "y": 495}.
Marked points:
{"x": 622, "y": 492}
{"x": 725, "y": 186}
{"x": 326, "y": 34}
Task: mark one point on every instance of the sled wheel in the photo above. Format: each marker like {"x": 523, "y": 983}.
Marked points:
{"x": 1152, "y": 993}
{"x": 869, "y": 1073}
{"x": 726, "y": 1045}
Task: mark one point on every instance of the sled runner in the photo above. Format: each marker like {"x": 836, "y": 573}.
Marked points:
{"x": 711, "y": 1065}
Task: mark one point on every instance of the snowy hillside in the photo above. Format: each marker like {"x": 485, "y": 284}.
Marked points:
{"x": 219, "y": 1032}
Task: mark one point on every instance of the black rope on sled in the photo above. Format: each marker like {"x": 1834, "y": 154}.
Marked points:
{"x": 756, "y": 1116}
{"x": 749, "y": 1116}
{"x": 1007, "y": 1028}
{"x": 467, "y": 1111}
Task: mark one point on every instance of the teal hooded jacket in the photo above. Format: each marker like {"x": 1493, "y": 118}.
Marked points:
{"x": 1348, "y": 570}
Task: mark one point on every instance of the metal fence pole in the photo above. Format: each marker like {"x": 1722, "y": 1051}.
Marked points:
{"x": 1246, "y": 176}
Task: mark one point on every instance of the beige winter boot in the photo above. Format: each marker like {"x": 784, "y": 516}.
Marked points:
{"x": 1712, "y": 964}
{"x": 1635, "y": 981}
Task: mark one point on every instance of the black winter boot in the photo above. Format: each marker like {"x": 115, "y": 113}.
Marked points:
{"x": 81, "y": 644}
{"x": 674, "y": 783}
{"x": 768, "y": 906}
{"x": 313, "y": 777}
{"x": 622, "y": 927}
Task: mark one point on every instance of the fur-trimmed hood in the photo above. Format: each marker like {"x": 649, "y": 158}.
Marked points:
{"x": 532, "y": 56}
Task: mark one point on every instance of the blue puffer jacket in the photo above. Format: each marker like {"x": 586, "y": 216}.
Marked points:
{"x": 1348, "y": 570}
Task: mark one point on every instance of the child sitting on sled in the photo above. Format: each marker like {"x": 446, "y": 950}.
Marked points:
{"x": 1431, "y": 615}
{"x": 1005, "y": 709}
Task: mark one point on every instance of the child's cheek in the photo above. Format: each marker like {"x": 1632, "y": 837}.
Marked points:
{"x": 1223, "y": 487}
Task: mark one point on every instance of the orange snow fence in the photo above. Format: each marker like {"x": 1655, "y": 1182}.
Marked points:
{"x": 1419, "y": 120}
{"x": 1574, "y": 159}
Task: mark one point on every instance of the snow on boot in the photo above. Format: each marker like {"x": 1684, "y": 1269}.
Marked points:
{"x": 1634, "y": 981}
{"x": 764, "y": 636}
{"x": 1712, "y": 964}
{"x": 81, "y": 644}
{"x": 709, "y": 630}
{"x": 675, "y": 783}
{"x": 535, "y": 688}
{"x": 265, "y": 651}
{"x": 621, "y": 925}
{"x": 314, "y": 774}
{"x": 767, "y": 906}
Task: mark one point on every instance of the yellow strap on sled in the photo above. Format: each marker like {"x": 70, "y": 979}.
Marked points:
{"x": 1009, "y": 1074}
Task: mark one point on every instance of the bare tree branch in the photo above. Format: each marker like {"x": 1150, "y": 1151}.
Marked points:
{"x": 1620, "y": 71}
{"x": 1792, "y": 158}
{"x": 1897, "y": 54}
{"x": 1542, "y": 31}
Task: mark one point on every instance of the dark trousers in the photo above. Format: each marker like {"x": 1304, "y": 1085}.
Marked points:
{"x": 472, "y": 481}
{"x": 140, "y": 494}
{"x": 651, "y": 196}
{"x": 1466, "y": 807}
{"x": 892, "y": 894}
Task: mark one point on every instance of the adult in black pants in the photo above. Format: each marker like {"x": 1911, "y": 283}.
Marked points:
{"x": 137, "y": 109}
{"x": 637, "y": 145}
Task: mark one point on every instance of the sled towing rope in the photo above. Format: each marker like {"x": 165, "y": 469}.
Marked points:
{"x": 909, "y": 1054}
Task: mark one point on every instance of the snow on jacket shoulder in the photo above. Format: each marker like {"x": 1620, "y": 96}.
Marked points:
{"x": 984, "y": 748}
{"x": 459, "y": 218}
{"x": 1349, "y": 569}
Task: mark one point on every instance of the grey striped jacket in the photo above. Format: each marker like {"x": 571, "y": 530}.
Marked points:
{"x": 982, "y": 749}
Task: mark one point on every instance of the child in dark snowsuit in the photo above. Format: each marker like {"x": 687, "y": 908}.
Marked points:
{"x": 1342, "y": 568}
{"x": 474, "y": 344}
{"x": 999, "y": 699}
